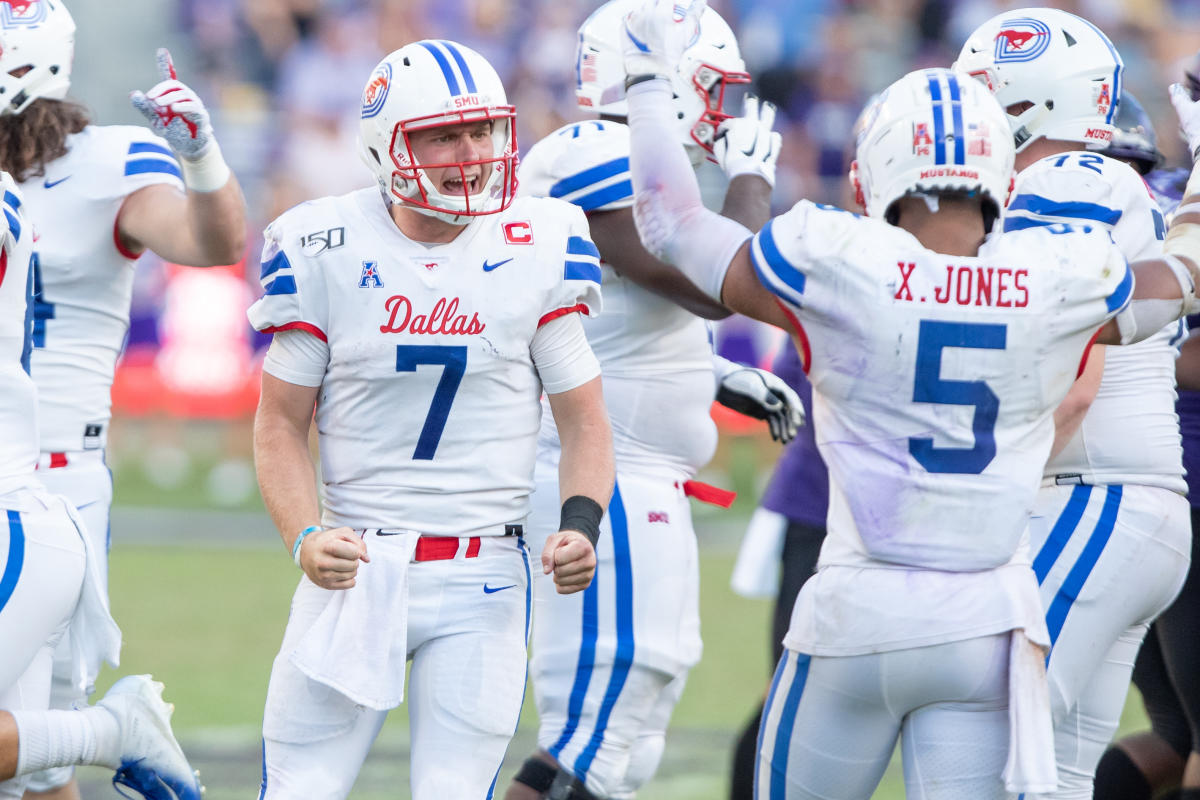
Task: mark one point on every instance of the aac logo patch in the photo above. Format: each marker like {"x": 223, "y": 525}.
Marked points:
{"x": 370, "y": 276}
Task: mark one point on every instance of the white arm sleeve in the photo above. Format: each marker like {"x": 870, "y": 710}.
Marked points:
{"x": 672, "y": 222}
{"x": 297, "y": 357}
{"x": 562, "y": 356}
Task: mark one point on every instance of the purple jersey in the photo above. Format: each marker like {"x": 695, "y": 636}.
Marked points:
{"x": 799, "y": 488}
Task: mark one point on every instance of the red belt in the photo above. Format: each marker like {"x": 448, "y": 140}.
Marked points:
{"x": 706, "y": 493}
{"x": 57, "y": 460}
{"x": 441, "y": 548}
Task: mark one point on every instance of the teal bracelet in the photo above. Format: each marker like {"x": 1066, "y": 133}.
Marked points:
{"x": 300, "y": 539}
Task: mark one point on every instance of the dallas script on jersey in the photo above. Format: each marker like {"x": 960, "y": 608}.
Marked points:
{"x": 1000, "y": 287}
{"x": 444, "y": 319}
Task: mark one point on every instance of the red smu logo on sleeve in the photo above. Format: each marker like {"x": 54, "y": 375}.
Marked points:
{"x": 518, "y": 232}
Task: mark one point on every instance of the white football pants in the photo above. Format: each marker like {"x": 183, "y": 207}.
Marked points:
{"x": 42, "y": 563}
{"x": 609, "y": 664}
{"x": 465, "y": 688}
{"x": 1109, "y": 559}
{"x": 830, "y": 723}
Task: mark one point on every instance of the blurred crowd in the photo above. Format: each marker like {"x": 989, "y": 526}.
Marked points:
{"x": 297, "y": 67}
{"x": 284, "y": 79}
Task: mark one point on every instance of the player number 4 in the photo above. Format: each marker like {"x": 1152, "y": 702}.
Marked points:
{"x": 454, "y": 362}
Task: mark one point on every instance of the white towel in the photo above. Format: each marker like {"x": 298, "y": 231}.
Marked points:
{"x": 756, "y": 573}
{"x": 358, "y": 645}
{"x": 94, "y": 636}
{"x": 1030, "y": 767}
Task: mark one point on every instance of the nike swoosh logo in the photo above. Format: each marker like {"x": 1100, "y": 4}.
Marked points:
{"x": 750, "y": 150}
{"x": 52, "y": 184}
{"x": 489, "y": 590}
{"x": 489, "y": 267}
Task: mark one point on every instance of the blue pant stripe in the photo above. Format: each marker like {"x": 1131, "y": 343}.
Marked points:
{"x": 623, "y": 658}
{"x": 762, "y": 723}
{"x": 16, "y": 557}
{"x": 1056, "y": 615}
{"x": 524, "y": 681}
{"x": 1061, "y": 533}
{"x": 262, "y": 790}
{"x": 584, "y": 666}
{"x": 787, "y": 722}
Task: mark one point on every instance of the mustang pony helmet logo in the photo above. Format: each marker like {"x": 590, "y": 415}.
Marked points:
{"x": 377, "y": 90}
{"x": 1021, "y": 39}
{"x": 16, "y": 13}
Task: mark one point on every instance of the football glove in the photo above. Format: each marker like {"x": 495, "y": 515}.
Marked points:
{"x": 656, "y": 34}
{"x": 747, "y": 145}
{"x": 175, "y": 112}
{"x": 1188, "y": 111}
{"x": 763, "y": 395}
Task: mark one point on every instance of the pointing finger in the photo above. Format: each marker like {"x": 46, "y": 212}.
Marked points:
{"x": 166, "y": 67}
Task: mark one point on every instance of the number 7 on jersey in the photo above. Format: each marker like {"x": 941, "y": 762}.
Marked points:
{"x": 454, "y": 361}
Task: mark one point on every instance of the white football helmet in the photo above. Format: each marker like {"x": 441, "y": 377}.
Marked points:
{"x": 37, "y": 42}
{"x": 933, "y": 131}
{"x": 1057, "y": 74}
{"x": 429, "y": 84}
{"x": 708, "y": 67}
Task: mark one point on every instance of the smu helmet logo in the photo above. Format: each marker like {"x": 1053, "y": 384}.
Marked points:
{"x": 1021, "y": 39}
{"x": 17, "y": 13}
{"x": 377, "y": 91}
{"x": 370, "y": 276}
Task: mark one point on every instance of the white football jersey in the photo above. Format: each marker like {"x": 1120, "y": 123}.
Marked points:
{"x": 935, "y": 379}
{"x": 1131, "y": 433}
{"x": 655, "y": 356}
{"x": 18, "y": 401}
{"x": 83, "y": 280}
{"x": 428, "y": 413}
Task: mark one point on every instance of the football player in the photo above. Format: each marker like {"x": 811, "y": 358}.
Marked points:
{"x": 50, "y": 579}
{"x": 609, "y": 665}
{"x": 1167, "y": 670}
{"x": 424, "y": 317}
{"x": 937, "y": 355}
{"x": 1111, "y": 531}
{"x": 97, "y": 197}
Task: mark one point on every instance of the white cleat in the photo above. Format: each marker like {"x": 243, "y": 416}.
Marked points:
{"x": 152, "y": 763}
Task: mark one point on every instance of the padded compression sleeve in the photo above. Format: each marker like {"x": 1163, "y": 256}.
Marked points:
{"x": 672, "y": 222}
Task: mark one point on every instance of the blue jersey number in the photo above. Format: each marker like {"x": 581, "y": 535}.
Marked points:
{"x": 1086, "y": 160}
{"x": 454, "y": 361}
{"x": 929, "y": 387}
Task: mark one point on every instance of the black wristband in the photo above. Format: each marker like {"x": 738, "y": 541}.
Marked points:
{"x": 582, "y": 514}
{"x": 634, "y": 80}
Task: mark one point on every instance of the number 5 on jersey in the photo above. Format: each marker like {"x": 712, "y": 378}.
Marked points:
{"x": 454, "y": 363}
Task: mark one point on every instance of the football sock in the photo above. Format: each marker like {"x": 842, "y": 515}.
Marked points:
{"x": 1118, "y": 778}
{"x": 63, "y": 738}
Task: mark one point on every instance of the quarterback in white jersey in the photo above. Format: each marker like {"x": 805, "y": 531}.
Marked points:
{"x": 49, "y": 581}
{"x": 608, "y": 667}
{"x": 923, "y": 620}
{"x": 424, "y": 317}
{"x": 1111, "y": 529}
{"x": 97, "y": 197}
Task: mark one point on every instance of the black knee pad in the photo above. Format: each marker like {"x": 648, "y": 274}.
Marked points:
{"x": 568, "y": 787}
{"x": 536, "y": 774}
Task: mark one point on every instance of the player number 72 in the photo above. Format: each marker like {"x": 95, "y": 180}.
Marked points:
{"x": 454, "y": 361}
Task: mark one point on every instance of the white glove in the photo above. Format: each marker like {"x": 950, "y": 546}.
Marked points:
{"x": 175, "y": 112}
{"x": 747, "y": 145}
{"x": 1188, "y": 111}
{"x": 763, "y": 395}
{"x": 657, "y": 33}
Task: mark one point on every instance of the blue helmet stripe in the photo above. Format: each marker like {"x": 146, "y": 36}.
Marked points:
{"x": 1116, "y": 87}
{"x": 451, "y": 81}
{"x": 457, "y": 55}
{"x": 960, "y": 146}
{"x": 939, "y": 123}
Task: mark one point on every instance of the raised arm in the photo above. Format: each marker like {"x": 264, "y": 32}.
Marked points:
{"x": 206, "y": 226}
